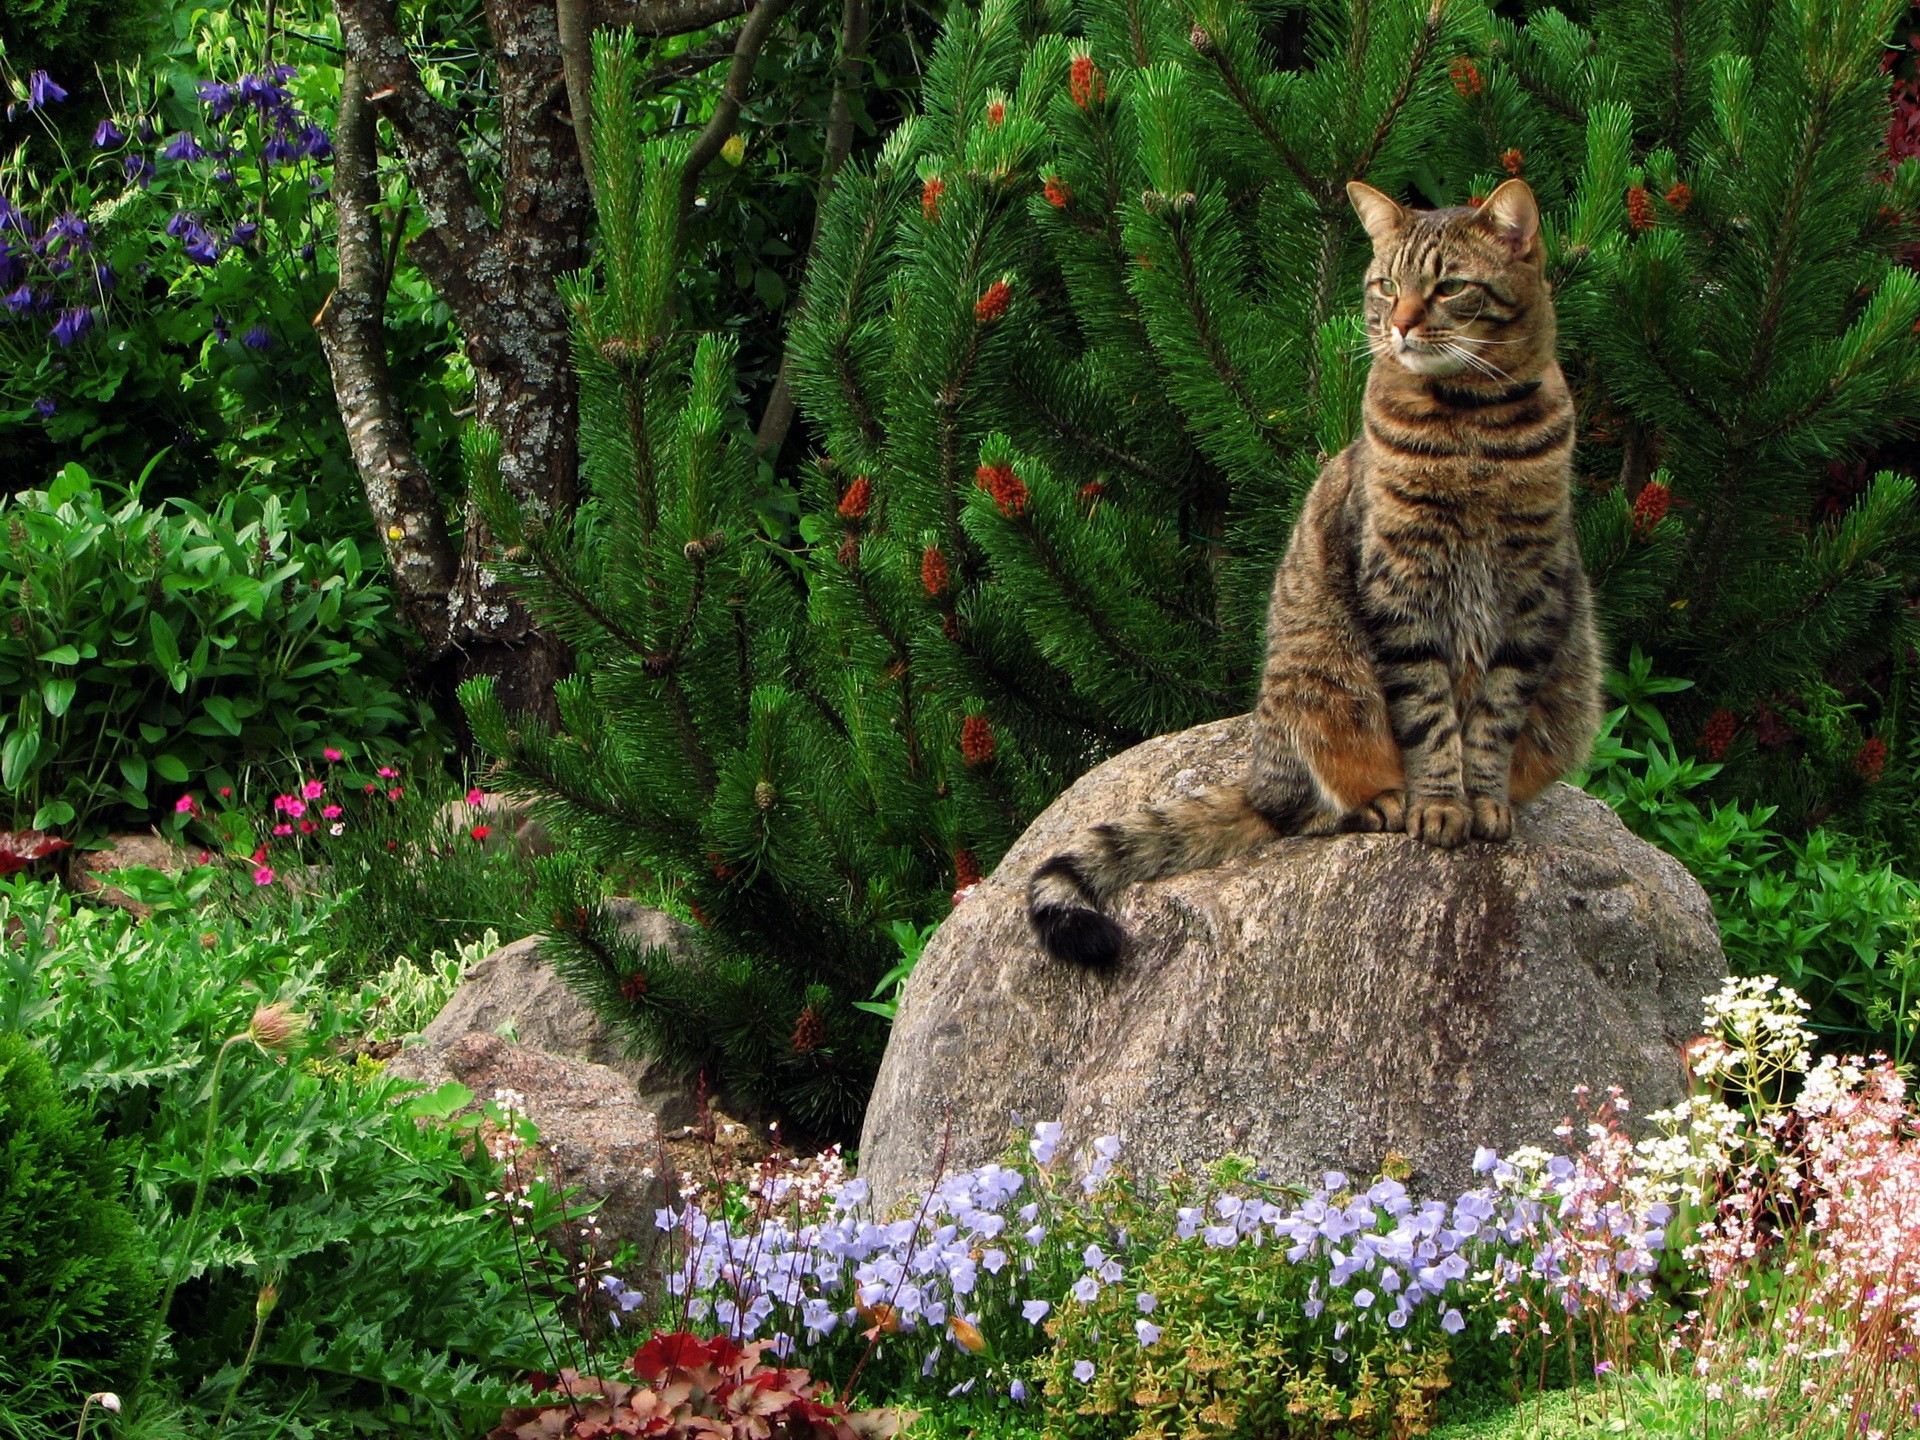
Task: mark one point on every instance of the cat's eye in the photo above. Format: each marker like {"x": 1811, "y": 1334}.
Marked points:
{"x": 1385, "y": 286}
{"x": 1447, "y": 289}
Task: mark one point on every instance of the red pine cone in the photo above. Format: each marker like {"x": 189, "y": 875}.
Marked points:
{"x": 1871, "y": 760}
{"x": 809, "y": 1032}
{"x": 1466, "y": 78}
{"x": 976, "y": 741}
{"x": 930, "y": 194}
{"x": 1008, "y": 490}
{"x": 1650, "y": 507}
{"x": 992, "y": 305}
{"x": 966, "y": 869}
{"x": 934, "y": 574}
{"x": 1058, "y": 193}
{"x": 1639, "y": 207}
{"x": 1511, "y": 161}
{"x": 853, "y": 504}
{"x": 996, "y": 114}
{"x": 633, "y": 986}
{"x": 849, "y": 552}
{"x": 1679, "y": 197}
{"x": 1091, "y": 492}
{"x": 1085, "y": 83}
{"x": 1722, "y": 726}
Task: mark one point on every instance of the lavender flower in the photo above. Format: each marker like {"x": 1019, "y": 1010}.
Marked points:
{"x": 1083, "y": 1371}
{"x": 1146, "y": 1332}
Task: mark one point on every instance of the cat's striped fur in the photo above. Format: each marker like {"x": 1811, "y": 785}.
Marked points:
{"x": 1431, "y": 656}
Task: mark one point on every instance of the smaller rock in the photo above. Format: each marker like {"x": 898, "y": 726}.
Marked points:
{"x": 152, "y": 851}
{"x": 599, "y": 1135}
{"x": 514, "y": 991}
{"x": 510, "y": 824}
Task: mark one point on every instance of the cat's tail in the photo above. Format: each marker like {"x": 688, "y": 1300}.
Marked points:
{"x": 1192, "y": 832}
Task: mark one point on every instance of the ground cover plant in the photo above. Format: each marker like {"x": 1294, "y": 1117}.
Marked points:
{"x": 1744, "y": 1265}
{"x": 327, "y": 1263}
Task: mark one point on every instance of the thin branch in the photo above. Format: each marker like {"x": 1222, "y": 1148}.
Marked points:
{"x": 660, "y": 18}
{"x": 576, "y": 58}
{"x": 849, "y": 74}
{"x": 733, "y": 94}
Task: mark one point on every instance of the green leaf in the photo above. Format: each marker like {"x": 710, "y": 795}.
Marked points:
{"x": 221, "y": 709}
{"x": 166, "y": 647}
{"x": 17, "y": 754}
{"x": 169, "y": 766}
{"x": 61, "y": 655}
{"x": 54, "y": 812}
{"x": 57, "y": 694}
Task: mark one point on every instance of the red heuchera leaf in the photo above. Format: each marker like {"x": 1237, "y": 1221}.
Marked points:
{"x": 20, "y": 848}
{"x": 697, "y": 1388}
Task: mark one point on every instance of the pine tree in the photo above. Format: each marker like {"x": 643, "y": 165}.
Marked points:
{"x": 1073, "y": 347}
{"x": 1161, "y": 197}
{"x": 685, "y": 759}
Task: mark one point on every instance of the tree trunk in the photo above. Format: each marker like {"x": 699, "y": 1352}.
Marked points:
{"x": 499, "y": 276}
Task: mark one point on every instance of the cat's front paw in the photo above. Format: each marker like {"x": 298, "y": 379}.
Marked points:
{"x": 1492, "y": 818}
{"x": 1442, "y": 820}
{"x": 1386, "y": 812}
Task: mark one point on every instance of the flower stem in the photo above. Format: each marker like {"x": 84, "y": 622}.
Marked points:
{"x": 185, "y": 1255}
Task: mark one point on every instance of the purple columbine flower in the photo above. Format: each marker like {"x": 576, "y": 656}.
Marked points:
{"x": 279, "y": 150}
{"x": 218, "y": 97}
{"x": 223, "y": 334}
{"x": 244, "y": 232}
{"x": 107, "y": 134}
{"x": 181, "y": 222}
{"x": 183, "y": 147}
{"x": 45, "y": 408}
{"x": 73, "y": 323}
{"x": 314, "y": 143}
{"x": 42, "y": 92}
{"x": 67, "y": 232}
{"x": 19, "y": 300}
{"x": 261, "y": 92}
{"x": 201, "y": 247}
{"x": 223, "y": 176}
{"x": 138, "y": 169}
{"x": 11, "y": 218}
{"x": 257, "y": 338}
{"x": 306, "y": 251}
{"x": 103, "y": 277}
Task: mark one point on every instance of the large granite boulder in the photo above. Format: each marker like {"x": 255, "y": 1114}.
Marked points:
{"x": 513, "y": 991}
{"x": 1317, "y": 1004}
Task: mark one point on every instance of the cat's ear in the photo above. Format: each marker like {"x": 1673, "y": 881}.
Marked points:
{"x": 1513, "y": 215}
{"x": 1380, "y": 213}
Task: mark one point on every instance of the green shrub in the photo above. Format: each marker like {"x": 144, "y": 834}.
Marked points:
{"x": 399, "y": 1309}
{"x": 1825, "y": 913}
{"x": 152, "y": 646}
{"x": 76, "y": 1284}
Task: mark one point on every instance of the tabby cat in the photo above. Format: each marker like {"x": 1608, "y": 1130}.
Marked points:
{"x": 1431, "y": 655}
